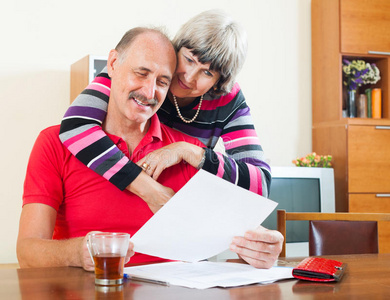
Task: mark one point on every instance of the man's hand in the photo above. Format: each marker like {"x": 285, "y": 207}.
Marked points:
{"x": 86, "y": 257}
{"x": 259, "y": 248}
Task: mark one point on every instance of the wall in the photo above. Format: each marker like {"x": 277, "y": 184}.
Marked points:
{"x": 42, "y": 38}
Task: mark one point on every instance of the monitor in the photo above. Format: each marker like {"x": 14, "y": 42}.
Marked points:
{"x": 300, "y": 189}
{"x": 297, "y": 189}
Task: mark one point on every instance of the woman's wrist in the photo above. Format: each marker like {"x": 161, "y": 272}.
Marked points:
{"x": 194, "y": 155}
{"x": 200, "y": 166}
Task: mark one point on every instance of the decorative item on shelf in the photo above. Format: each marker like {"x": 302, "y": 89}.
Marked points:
{"x": 376, "y": 98}
{"x": 369, "y": 103}
{"x": 361, "y": 106}
{"x": 314, "y": 160}
{"x": 355, "y": 74}
{"x": 351, "y": 108}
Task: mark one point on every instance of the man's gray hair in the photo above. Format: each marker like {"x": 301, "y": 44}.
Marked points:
{"x": 215, "y": 38}
{"x": 130, "y": 36}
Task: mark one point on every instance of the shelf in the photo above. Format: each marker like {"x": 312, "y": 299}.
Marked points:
{"x": 367, "y": 121}
{"x": 382, "y": 62}
{"x": 354, "y": 121}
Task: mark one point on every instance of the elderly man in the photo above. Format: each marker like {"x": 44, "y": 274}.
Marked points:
{"x": 63, "y": 200}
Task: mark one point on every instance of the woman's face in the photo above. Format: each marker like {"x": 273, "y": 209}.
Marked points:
{"x": 192, "y": 78}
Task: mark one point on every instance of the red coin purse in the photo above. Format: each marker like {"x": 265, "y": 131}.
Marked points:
{"x": 319, "y": 269}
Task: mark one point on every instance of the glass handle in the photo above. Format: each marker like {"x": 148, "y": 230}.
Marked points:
{"x": 379, "y": 52}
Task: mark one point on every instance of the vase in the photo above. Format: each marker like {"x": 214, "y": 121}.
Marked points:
{"x": 345, "y": 103}
{"x": 351, "y": 104}
{"x": 361, "y": 106}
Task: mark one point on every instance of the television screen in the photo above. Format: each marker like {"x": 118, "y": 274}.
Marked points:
{"x": 99, "y": 65}
{"x": 294, "y": 194}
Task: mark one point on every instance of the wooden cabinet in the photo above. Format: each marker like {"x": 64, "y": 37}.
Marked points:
{"x": 83, "y": 71}
{"x": 374, "y": 203}
{"x": 352, "y": 29}
{"x": 365, "y": 26}
{"x": 361, "y": 156}
{"x": 327, "y": 42}
{"x": 369, "y": 159}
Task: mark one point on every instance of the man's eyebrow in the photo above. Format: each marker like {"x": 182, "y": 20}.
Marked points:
{"x": 167, "y": 77}
{"x": 142, "y": 69}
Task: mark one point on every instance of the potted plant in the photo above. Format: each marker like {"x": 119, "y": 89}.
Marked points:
{"x": 314, "y": 160}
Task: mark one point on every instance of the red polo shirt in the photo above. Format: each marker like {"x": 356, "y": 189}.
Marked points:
{"x": 84, "y": 200}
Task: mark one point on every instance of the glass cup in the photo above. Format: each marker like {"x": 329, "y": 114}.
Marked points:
{"x": 109, "y": 292}
{"x": 108, "y": 250}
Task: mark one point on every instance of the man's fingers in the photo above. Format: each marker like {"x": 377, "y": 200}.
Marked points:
{"x": 260, "y": 264}
{"x": 129, "y": 253}
{"x": 264, "y": 235}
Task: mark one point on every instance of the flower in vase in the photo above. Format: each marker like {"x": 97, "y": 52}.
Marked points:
{"x": 372, "y": 76}
{"x": 358, "y": 72}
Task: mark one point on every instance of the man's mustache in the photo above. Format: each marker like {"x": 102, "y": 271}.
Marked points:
{"x": 143, "y": 99}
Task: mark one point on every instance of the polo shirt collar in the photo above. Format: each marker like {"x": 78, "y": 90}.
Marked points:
{"x": 153, "y": 132}
{"x": 155, "y": 127}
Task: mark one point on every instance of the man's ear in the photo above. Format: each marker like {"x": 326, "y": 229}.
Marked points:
{"x": 111, "y": 62}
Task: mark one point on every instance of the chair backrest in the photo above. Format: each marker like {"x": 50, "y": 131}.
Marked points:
{"x": 283, "y": 216}
{"x": 342, "y": 237}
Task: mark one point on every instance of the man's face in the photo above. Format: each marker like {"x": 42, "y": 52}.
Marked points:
{"x": 141, "y": 78}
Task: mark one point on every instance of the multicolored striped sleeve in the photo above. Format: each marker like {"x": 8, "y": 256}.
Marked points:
{"x": 244, "y": 163}
{"x": 82, "y": 134}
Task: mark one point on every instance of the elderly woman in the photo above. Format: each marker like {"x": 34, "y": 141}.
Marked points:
{"x": 205, "y": 102}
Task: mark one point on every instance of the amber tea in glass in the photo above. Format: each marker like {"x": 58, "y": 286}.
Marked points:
{"x": 108, "y": 251}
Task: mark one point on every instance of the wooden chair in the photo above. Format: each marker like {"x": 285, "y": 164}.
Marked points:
{"x": 320, "y": 248}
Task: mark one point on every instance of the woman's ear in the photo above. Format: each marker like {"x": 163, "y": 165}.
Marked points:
{"x": 111, "y": 61}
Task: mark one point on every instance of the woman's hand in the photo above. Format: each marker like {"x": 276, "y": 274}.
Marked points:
{"x": 157, "y": 161}
{"x": 145, "y": 185}
{"x": 149, "y": 190}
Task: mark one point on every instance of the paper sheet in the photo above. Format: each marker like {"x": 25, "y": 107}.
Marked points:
{"x": 201, "y": 220}
{"x": 203, "y": 275}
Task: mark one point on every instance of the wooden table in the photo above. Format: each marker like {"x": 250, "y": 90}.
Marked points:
{"x": 367, "y": 277}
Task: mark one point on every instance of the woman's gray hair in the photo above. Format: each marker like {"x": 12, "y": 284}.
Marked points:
{"x": 215, "y": 38}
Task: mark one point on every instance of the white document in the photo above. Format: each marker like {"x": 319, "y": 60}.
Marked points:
{"x": 203, "y": 275}
{"x": 201, "y": 219}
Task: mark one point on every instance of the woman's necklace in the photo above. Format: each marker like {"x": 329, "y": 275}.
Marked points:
{"x": 178, "y": 110}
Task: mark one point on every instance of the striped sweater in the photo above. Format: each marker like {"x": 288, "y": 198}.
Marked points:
{"x": 227, "y": 117}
